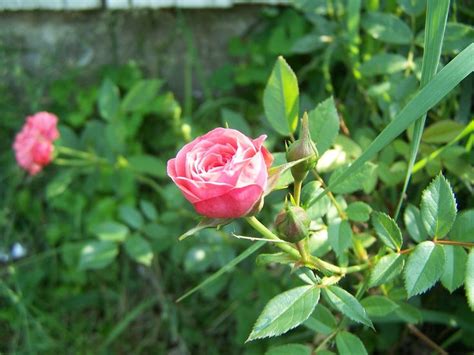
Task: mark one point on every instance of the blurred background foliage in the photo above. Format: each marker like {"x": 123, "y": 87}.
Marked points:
{"x": 121, "y": 297}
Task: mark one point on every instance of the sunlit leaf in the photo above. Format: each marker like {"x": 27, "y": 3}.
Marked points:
{"x": 285, "y": 311}
{"x": 280, "y": 98}
{"x": 424, "y": 268}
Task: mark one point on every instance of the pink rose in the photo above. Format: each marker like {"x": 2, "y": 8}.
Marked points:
{"x": 33, "y": 145}
{"x": 222, "y": 173}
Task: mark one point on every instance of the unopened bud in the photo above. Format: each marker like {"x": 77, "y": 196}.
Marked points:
{"x": 303, "y": 148}
{"x": 292, "y": 224}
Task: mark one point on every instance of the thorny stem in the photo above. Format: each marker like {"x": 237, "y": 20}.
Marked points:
{"x": 442, "y": 242}
{"x": 426, "y": 340}
{"x": 313, "y": 262}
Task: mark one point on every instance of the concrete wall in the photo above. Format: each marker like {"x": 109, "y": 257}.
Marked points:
{"x": 124, "y": 4}
{"x": 47, "y": 44}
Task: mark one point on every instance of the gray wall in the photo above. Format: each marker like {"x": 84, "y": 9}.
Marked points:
{"x": 44, "y": 45}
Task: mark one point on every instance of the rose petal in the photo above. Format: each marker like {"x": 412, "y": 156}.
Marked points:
{"x": 234, "y": 204}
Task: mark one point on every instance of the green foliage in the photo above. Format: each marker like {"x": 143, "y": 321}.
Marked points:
{"x": 424, "y": 267}
{"x": 387, "y": 268}
{"x": 97, "y": 255}
{"x": 453, "y": 271}
{"x": 139, "y": 249}
{"x": 281, "y": 98}
{"x": 347, "y": 304}
{"x": 358, "y": 211}
{"x": 469, "y": 282}
{"x": 348, "y": 343}
{"x": 324, "y": 124}
{"x": 438, "y": 208}
{"x": 387, "y": 230}
{"x": 378, "y": 306}
{"x": 285, "y": 311}
{"x": 387, "y": 28}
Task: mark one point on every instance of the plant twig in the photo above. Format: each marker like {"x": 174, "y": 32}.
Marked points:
{"x": 424, "y": 338}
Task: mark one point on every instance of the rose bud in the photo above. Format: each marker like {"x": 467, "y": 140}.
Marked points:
{"x": 292, "y": 223}
{"x": 222, "y": 173}
{"x": 302, "y": 148}
{"x": 33, "y": 145}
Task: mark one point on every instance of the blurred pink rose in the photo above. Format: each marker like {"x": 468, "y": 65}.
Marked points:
{"x": 34, "y": 143}
{"x": 223, "y": 173}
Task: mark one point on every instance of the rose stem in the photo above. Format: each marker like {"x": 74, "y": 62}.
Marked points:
{"x": 313, "y": 261}
{"x": 300, "y": 245}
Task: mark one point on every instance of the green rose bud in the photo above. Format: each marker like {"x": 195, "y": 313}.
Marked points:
{"x": 302, "y": 148}
{"x": 292, "y": 224}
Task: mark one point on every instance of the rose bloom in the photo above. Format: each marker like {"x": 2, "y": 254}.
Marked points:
{"x": 33, "y": 145}
{"x": 222, "y": 173}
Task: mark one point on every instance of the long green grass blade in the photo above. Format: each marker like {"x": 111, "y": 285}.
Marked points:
{"x": 436, "y": 17}
{"x": 247, "y": 252}
{"x": 130, "y": 317}
{"x": 441, "y": 84}
{"x": 469, "y": 129}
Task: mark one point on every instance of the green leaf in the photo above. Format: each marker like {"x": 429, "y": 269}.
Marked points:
{"x": 458, "y": 36}
{"x": 324, "y": 124}
{"x": 280, "y": 98}
{"x": 358, "y": 211}
{"x": 442, "y": 83}
{"x": 442, "y": 132}
{"x": 387, "y": 28}
{"x": 141, "y": 95}
{"x": 386, "y": 63}
{"x": 229, "y": 266}
{"x": 424, "y": 267}
{"x": 285, "y": 311}
{"x": 125, "y": 321}
{"x": 148, "y": 210}
{"x": 131, "y": 216}
{"x": 438, "y": 207}
{"x": 413, "y": 7}
{"x": 349, "y": 344}
{"x": 236, "y": 121}
{"x": 98, "y": 254}
{"x": 347, "y": 304}
{"x": 356, "y": 181}
{"x": 387, "y": 230}
{"x": 59, "y": 184}
{"x": 293, "y": 349}
{"x": 111, "y": 230}
{"x": 314, "y": 209}
{"x": 469, "y": 283}
{"x": 321, "y": 321}
{"x": 340, "y": 236}
{"x": 387, "y": 268}
{"x": 408, "y": 313}
{"x": 454, "y": 265}
{"x": 147, "y": 164}
{"x": 109, "y": 100}
{"x": 463, "y": 228}
{"x": 139, "y": 249}
{"x": 378, "y": 306}
{"x": 414, "y": 224}
{"x": 203, "y": 224}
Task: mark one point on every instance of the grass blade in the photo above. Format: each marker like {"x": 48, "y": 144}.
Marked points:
{"x": 441, "y": 84}
{"x": 247, "y": 252}
{"x": 130, "y": 317}
{"x": 436, "y": 17}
